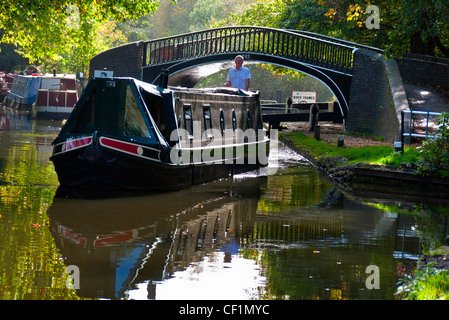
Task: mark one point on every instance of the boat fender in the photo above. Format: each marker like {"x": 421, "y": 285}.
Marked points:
{"x": 92, "y": 154}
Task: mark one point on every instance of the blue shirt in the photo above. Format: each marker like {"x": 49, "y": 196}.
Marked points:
{"x": 238, "y": 77}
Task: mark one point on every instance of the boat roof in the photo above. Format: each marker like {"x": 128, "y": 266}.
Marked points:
{"x": 59, "y": 76}
{"x": 34, "y": 75}
{"x": 215, "y": 90}
{"x": 150, "y": 88}
{"x": 155, "y": 90}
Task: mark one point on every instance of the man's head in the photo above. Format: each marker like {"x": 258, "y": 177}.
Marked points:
{"x": 238, "y": 61}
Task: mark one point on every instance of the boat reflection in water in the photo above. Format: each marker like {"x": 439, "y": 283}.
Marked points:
{"x": 118, "y": 243}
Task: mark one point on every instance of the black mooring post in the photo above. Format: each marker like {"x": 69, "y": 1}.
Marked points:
{"x": 164, "y": 78}
{"x": 313, "y": 117}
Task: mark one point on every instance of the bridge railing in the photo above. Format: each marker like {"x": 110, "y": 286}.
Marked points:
{"x": 292, "y": 45}
{"x": 336, "y": 40}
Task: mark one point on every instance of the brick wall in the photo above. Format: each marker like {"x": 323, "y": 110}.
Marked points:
{"x": 424, "y": 70}
{"x": 377, "y": 96}
{"x": 125, "y": 61}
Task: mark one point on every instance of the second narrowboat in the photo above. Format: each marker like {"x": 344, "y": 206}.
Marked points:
{"x": 23, "y": 92}
{"x": 56, "y": 97}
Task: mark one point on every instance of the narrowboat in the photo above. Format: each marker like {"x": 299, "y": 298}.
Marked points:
{"x": 5, "y": 85}
{"x": 125, "y": 134}
{"x": 56, "y": 97}
{"x": 23, "y": 92}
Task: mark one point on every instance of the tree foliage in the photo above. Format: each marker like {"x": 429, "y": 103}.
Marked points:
{"x": 405, "y": 25}
{"x": 435, "y": 150}
{"x": 66, "y": 34}
{"x": 66, "y": 30}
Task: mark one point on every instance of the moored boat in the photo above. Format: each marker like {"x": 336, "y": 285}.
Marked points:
{"x": 56, "y": 97}
{"x": 23, "y": 92}
{"x": 124, "y": 134}
{"x": 5, "y": 85}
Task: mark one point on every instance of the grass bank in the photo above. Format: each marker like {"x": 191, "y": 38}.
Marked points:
{"x": 378, "y": 155}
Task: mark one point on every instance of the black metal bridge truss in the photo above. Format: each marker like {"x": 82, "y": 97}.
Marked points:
{"x": 327, "y": 59}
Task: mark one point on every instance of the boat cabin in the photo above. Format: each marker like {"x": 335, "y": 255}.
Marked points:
{"x": 56, "y": 97}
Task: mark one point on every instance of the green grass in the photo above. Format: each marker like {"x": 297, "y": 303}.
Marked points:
{"x": 383, "y": 155}
{"x": 427, "y": 284}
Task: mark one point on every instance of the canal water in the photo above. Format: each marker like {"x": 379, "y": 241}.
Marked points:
{"x": 283, "y": 233}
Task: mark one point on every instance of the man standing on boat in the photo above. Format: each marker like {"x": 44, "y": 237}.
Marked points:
{"x": 239, "y": 76}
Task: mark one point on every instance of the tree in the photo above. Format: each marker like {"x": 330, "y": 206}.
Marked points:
{"x": 425, "y": 26}
{"x": 10, "y": 60}
{"x": 171, "y": 18}
{"x": 405, "y": 25}
{"x": 64, "y": 29}
{"x": 204, "y": 12}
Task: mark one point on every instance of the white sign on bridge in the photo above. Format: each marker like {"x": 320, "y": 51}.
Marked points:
{"x": 304, "y": 97}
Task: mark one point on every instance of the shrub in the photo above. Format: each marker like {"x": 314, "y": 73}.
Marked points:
{"x": 427, "y": 284}
{"x": 434, "y": 152}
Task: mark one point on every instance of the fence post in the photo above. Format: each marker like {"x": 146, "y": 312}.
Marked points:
{"x": 402, "y": 127}
{"x": 410, "y": 128}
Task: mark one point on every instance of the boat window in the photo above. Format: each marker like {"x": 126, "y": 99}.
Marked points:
{"x": 249, "y": 120}
{"x": 188, "y": 119}
{"x": 155, "y": 107}
{"x": 234, "y": 120}
{"x": 222, "y": 122}
{"x": 111, "y": 110}
{"x": 207, "y": 121}
{"x": 134, "y": 124}
{"x": 85, "y": 120}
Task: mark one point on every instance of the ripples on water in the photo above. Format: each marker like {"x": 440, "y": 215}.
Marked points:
{"x": 285, "y": 232}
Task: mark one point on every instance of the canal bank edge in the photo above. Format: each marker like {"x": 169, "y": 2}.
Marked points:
{"x": 377, "y": 181}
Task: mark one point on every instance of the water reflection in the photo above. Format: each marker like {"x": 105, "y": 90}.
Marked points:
{"x": 292, "y": 235}
{"x": 119, "y": 243}
{"x": 29, "y": 261}
{"x": 288, "y": 234}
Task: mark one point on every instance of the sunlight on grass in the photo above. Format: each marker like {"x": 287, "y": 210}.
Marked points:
{"x": 384, "y": 155}
{"x": 427, "y": 284}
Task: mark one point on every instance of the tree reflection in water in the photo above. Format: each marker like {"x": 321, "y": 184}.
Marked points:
{"x": 291, "y": 235}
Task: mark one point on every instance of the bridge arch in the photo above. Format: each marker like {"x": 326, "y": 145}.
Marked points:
{"x": 338, "y": 83}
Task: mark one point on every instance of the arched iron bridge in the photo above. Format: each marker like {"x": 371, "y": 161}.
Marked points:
{"x": 327, "y": 59}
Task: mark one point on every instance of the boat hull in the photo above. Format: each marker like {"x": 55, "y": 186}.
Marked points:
{"x": 51, "y": 113}
{"x": 98, "y": 168}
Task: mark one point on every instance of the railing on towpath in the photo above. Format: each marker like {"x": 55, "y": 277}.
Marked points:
{"x": 276, "y": 109}
{"x": 411, "y": 127}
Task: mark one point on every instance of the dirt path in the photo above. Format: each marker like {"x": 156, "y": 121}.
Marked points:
{"x": 420, "y": 99}
{"x": 423, "y": 99}
{"x": 329, "y": 132}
